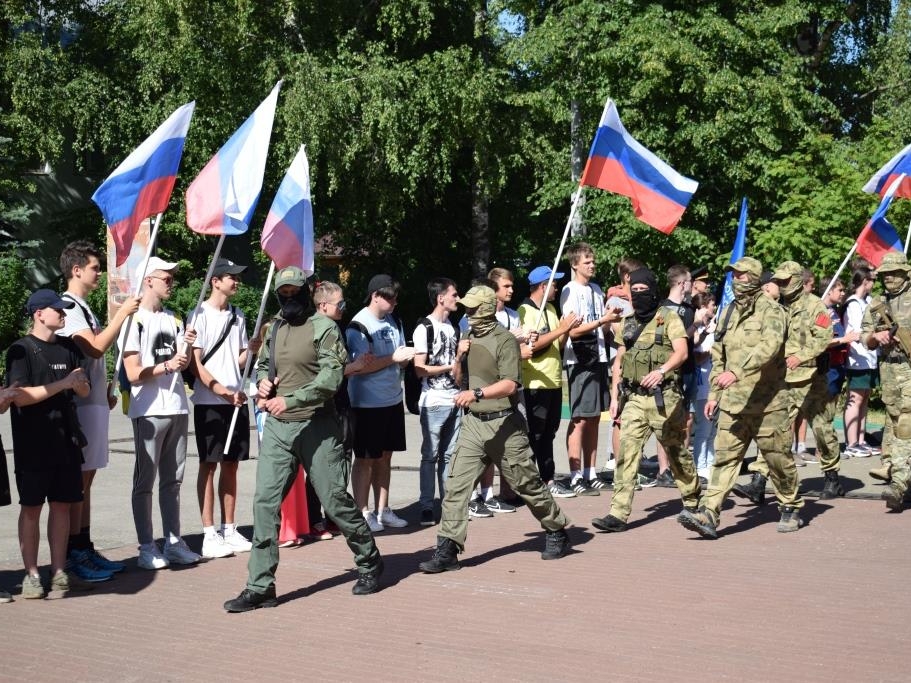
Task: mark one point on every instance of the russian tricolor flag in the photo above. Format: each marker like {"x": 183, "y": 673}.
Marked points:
{"x": 222, "y": 198}
{"x": 288, "y": 233}
{"x": 879, "y": 236}
{"x": 141, "y": 186}
{"x": 618, "y": 163}
{"x": 898, "y": 165}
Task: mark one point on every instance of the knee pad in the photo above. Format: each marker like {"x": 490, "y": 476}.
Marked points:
{"x": 903, "y": 426}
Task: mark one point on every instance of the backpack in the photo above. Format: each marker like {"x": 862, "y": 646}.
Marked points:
{"x": 189, "y": 377}
{"x": 413, "y": 383}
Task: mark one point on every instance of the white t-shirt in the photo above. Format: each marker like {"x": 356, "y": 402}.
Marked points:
{"x": 76, "y": 321}
{"x": 210, "y": 323}
{"x": 439, "y": 390}
{"x": 154, "y": 335}
{"x": 587, "y": 302}
{"x": 859, "y": 356}
{"x": 508, "y": 318}
{"x": 704, "y": 369}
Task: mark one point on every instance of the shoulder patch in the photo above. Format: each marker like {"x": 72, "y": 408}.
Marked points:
{"x": 823, "y": 320}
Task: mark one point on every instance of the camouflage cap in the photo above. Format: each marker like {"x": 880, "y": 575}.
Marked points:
{"x": 787, "y": 270}
{"x": 746, "y": 264}
{"x": 893, "y": 262}
{"x": 290, "y": 276}
{"x": 477, "y": 296}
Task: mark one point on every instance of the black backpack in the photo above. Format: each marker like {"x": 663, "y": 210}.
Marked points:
{"x": 413, "y": 383}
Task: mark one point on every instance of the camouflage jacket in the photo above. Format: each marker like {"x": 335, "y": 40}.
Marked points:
{"x": 809, "y": 334}
{"x": 750, "y": 343}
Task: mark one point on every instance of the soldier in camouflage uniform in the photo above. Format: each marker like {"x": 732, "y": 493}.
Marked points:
{"x": 646, "y": 373}
{"x": 747, "y": 387}
{"x": 887, "y": 326}
{"x": 806, "y": 357}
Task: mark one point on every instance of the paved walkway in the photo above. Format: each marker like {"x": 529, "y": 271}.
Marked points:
{"x": 655, "y": 603}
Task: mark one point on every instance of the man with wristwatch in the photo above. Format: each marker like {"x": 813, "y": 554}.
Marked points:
{"x": 493, "y": 430}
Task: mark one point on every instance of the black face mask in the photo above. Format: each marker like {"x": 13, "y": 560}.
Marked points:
{"x": 296, "y": 308}
{"x": 645, "y": 303}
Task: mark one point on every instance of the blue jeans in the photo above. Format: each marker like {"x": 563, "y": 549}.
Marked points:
{"x": 703, "y": 437}
{"x": 440, "y": 429}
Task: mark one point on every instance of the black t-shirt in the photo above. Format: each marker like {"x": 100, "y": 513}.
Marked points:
{"x": 688, "y": 315}
{"x": 43, "y": 433}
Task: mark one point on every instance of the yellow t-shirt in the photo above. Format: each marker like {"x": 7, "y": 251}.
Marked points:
{"x": 543, "y": 371}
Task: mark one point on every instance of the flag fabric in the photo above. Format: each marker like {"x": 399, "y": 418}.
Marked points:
{"x": 618, "y": 163}
{"x": 879, "y": 236}
{"x": 898, "y": 165}
{"x": 222, "y": 198}
{"x": 288, "y": 233}
{"x": 141, "y": 186}
{"x": 740, "y": 245}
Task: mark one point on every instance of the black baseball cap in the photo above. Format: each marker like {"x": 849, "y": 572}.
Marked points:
{"x": 46, "y": 298}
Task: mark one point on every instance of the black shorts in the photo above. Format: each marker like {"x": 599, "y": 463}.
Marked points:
{"x": 62, "y": 484}
{"x": 377, "y": 430}
{"x": 211, "y": 423}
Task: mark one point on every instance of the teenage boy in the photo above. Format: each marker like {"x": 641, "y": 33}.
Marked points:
{"x": 159, "y": 415}
{"x": 80, "y": 263}
{"x": 47, "y": 440}
{"x": 219, "y": 356}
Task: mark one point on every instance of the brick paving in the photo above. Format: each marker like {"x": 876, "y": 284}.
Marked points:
{"x": 828, "y": 603}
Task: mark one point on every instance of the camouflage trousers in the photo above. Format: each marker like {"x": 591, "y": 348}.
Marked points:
{"x": 735, "y": 432}
{"x": 811, "y": 399}
{"x": 640, "y": 419}
{"x": 896, "y": 388}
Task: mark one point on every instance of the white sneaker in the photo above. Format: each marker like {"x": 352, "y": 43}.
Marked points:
{"x": 214, "y": 546}
{"x": 236, "y": 542}
{"x": 180, "y": 553}
{"x": 388, "y": 518}
{"x": 372, "y": 521}
{"x": 150, "y": 557}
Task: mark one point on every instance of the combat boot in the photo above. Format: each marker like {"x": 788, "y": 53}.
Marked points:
{"x": 754, "y": 491}
{"x": 895, "y": 499}
{"x": 790, "y": 519}
{"x": 444, "y": 557}
{"x": 609, "y": 523}
{"x": 883, "y": 473}
{"x": 701, "y": 521}
{"x": 832, "y": 488}
{"x": 556, "y": 545}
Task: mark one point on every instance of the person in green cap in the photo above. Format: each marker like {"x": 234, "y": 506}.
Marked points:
{"x": 300, "y": 368}
{"x": 747, "y": 387}
{"x": 887, "y": 326}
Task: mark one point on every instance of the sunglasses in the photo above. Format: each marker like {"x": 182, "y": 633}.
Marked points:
{"x": 167, "y": 279}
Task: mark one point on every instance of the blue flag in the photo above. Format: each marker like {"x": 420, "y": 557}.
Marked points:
{"x": 740, "y": 245}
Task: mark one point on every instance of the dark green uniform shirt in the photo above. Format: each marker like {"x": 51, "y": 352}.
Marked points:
{"x": 493, "y": 357}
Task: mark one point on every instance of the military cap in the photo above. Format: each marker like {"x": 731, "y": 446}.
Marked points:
{"x": 290, "y": 276}
{"x": 787, "y": 270}
{"x": 746, "y": 264}
{"x": 477, "y": 296}
{"x": 894, "y": 261}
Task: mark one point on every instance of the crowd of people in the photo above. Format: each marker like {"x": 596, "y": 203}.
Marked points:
{"x": 705, "y": 381}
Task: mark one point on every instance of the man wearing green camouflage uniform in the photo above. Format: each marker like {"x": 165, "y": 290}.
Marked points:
{"x": 300, "y": 368}
{"x": 646, "y": 375}
{"x": 887, "y": 327}
{"x": 747, "y": 387}
{"x": 493, "y": 430}
{"x": 806, "y": 357}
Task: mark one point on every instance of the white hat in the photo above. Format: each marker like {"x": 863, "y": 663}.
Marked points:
{"x": 156, "y": 263}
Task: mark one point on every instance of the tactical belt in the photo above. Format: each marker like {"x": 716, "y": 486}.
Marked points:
{"x": 642, "y": 391}
{"x": 487, "y": 417}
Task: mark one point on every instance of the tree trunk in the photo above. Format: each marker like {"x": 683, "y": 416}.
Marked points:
{"x": 577, "y": 162}
{"x": 480, "y": 230}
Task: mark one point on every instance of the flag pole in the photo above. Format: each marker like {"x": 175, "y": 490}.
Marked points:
{"x": 136, "y": 292}
{"x": 550, "y": 280}
{"x": 840, "y": 268}
{"x": 202, "y": 293}
{"x": 249, "y": 364}
{"x": 907, "y": 238}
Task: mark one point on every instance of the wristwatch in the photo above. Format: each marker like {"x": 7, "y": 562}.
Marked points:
{"x": 478, "y": 394}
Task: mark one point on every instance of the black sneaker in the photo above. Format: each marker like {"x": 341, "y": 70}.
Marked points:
{"x": 476, "y": 508}
{"x": 665, "y": 480}
{"x": 249, "y": 600}
{"x": 556, "y": 545}
{"x": 597, "y": 484}
{"x": 369, "y": 582}
{"x": 700, "y": 521}
{"x": 427, "y": 518}
{"x": 497, "y": 505}
{"x": 608, "y": 523}
{"x": 580, "y": 488}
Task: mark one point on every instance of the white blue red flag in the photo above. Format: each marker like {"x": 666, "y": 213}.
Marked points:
{"x": 898, "y": 165}
{"x": 222, "y": 198}
{"x": 288, "y": 233}
{"x": 740, "y": 246}
{"x": 618, "y": 163}
{"x": 879, "y": 236}
{"x": 141, "y": 186}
